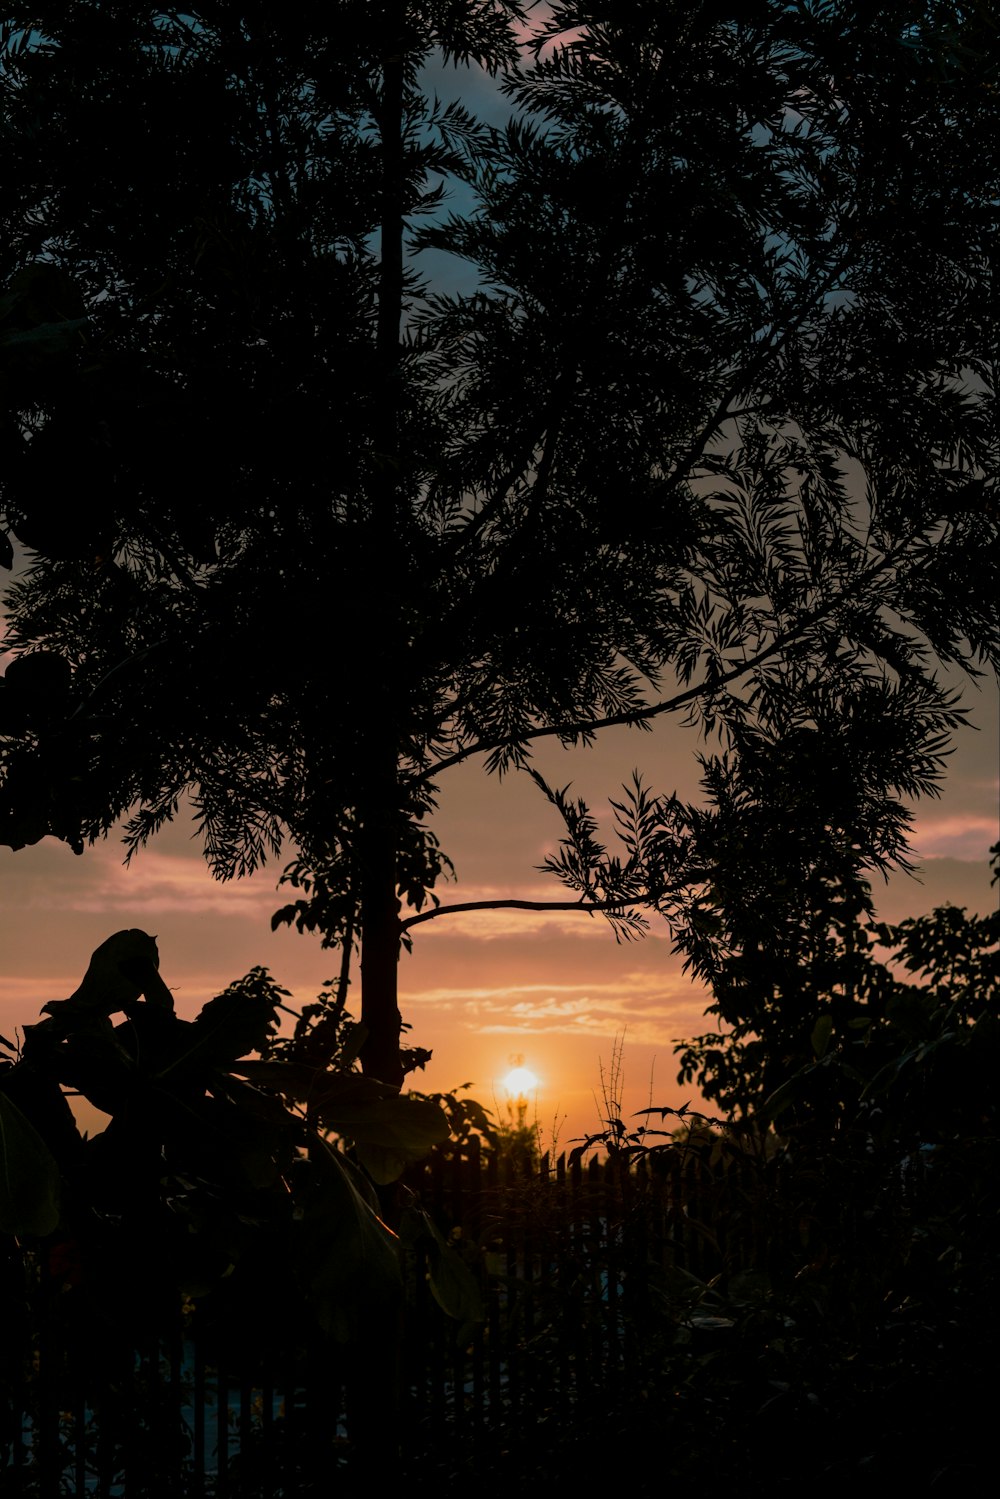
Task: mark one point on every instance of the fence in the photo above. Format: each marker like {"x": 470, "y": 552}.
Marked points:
{"x": 574, "y": 1260}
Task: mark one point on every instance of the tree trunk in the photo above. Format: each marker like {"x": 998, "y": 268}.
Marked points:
{"x": 380, "y": 930}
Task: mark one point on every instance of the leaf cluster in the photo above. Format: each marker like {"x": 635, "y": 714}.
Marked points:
{"x": 215, "y": 1162}
{"x": 712, "y": 434}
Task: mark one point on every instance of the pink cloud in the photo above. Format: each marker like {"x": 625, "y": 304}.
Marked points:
{"x": 526, "y": 30}
{"x": 965, "y": 836}
{"x": 161, "y": 882}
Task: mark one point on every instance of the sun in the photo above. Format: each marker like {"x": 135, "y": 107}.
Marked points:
{"x": 520, "y": 1080}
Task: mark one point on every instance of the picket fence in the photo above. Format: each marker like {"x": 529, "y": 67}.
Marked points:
{"x": 569, "y": 1256}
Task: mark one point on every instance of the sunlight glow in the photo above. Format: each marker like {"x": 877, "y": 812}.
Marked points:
{"x": 520, "y": 1080}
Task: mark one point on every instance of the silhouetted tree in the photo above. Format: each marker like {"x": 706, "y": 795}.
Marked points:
{"x": 713, "y": 435}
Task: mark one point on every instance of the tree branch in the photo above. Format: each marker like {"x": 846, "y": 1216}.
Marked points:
{"x": 548, "y": 434}
{"x": 635, "y": 716}
{"x": 537, "y": 905}
{"x": 470, "y": 531}
{"x": 631, "y": 717}
{"x": 778, "y": 337}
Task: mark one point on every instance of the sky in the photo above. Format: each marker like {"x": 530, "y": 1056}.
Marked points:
{"x": 482, "y": 989}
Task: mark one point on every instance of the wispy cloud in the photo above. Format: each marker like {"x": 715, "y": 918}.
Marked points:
{"x": 962, "y": 837}
{"x": 156, "y": 882}
{"x": 651, "y": 1006}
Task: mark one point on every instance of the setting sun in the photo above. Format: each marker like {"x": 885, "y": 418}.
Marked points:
{"x": 520, "y": 1080}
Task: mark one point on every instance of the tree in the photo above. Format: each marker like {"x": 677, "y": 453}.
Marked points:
{"x": 872, "y": 1199}
{"x": 216, "y": 1176}
{"x": 199, "y": 1132}
{"x": 712, "y": 437}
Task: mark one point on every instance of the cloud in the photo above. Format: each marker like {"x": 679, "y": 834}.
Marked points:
{"x": 22, "y": 998}
{"x": 965, "y": 837}
{"x": 169, "y": 882}
{"x": 652, "y": 1007}
{"x": 541, "y": 13}
{"x": 156, "y": 882}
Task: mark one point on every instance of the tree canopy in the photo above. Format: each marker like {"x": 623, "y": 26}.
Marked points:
{"x": 714, "y": 435}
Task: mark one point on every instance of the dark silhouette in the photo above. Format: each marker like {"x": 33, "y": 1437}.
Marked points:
{"x": 724, "y": 1302}
{"x": 712, "y": 438}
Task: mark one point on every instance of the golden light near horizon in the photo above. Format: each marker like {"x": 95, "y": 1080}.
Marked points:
{"x": 519, "y": 1081}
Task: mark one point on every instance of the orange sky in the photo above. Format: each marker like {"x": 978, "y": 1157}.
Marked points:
{"x": 480, "y": 987}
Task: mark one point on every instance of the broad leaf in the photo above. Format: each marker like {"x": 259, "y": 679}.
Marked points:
{"x": 452, "y": 1283}
{"x": 349, "y": 1257}
{"x": 821, "y": 1033}
{"x": 228, "y": 1027}
{"x": 29, "y": 1176}
{"x": 125, "y": 966}
{"x": 388, "y": 1132}
{"x": 389, "y": 1129}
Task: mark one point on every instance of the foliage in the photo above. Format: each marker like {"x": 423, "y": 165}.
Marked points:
{"x": 713, "y": 435}
{"x": 514, "y": 1141}
{"x": 467, "y": 1118}
{"x": 810, "y": 1005}
{"x": 799, "y": 1298}
{"x": 215, "y": 1163}
{"x": 836, "y": 1324}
